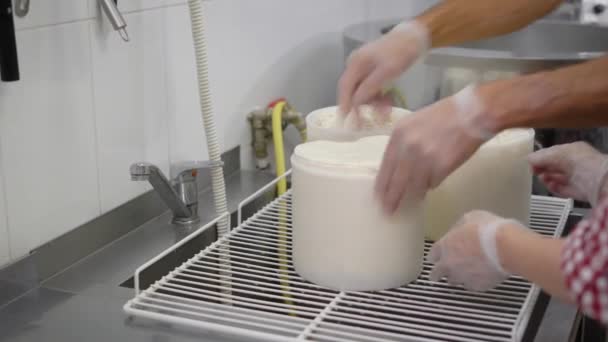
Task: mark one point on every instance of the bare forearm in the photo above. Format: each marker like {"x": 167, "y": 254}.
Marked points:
{"x": 533, "y": 257}
{"x": 457, "y": 21}
{"x": 576, "y": 96}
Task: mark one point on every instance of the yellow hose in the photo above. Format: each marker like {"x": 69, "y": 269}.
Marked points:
{"x": 279, "y": 154}
{"x": 279, "y": 151}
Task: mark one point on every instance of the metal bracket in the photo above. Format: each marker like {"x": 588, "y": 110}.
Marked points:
{"x": 22, "y": 8}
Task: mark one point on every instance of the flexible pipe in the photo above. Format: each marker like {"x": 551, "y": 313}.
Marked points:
{"x": 217, "y": 173}
{"x": 279, "y": 154}
{"x": 279, "y": 150}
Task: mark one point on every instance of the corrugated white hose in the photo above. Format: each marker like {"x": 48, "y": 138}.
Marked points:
{"x": 217, "y": 173}
{"x": 218, "y": 186}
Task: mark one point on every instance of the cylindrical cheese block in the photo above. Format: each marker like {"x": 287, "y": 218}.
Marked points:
{"x": 497, "y": 178}
{"x": 341, "y": 237}
{"x": 326, "y": 124}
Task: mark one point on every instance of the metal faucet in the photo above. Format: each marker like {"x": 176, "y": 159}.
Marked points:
{"x": 181, "y": 194}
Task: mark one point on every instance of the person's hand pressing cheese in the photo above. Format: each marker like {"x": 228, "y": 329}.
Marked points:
{"x": 426, "y": 146}
{"x": 467, "y": 255}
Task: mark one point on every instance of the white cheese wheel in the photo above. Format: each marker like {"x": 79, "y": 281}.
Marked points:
{"x": 326, "y": 124}
{"x": 341, "y": 237}
{"x": 497, "y": 178}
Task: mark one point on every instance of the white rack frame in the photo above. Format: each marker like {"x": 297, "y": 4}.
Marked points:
{"x": 225, "y": 299}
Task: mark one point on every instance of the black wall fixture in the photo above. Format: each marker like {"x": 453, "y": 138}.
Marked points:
{"x": 9, "y": 63}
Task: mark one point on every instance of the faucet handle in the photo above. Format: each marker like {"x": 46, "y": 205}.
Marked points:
{"x": 178, "y": 169}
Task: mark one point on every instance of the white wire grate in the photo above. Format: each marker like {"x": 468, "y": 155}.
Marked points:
{"x": 258, "y": 298}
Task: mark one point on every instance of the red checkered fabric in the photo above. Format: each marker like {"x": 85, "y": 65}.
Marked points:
{"x": 585, "y": 263}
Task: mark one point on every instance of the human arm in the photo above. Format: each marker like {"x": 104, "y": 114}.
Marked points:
{"x": 575, "y": 96}
{"x": 380, "y": 62}
{"x": 574, "y": 269}
{"x": 534, "y": 257}
{"x": 458, "y": 21}
{"x": 495, "y": 247}
{"x": 482, "y": 250}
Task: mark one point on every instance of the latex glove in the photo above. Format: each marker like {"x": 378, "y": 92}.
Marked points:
{"x": 573, "y": 170}
{"x": 467, "y": 254}
{"x": 377, "y": 64}
{"x": 426, "y": 146}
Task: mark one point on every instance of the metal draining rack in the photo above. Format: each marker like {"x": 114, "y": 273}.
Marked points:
{"x": 240, "y": 286}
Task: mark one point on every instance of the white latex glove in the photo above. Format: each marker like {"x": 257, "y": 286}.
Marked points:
{"x": 573, "y": 170}
{"x": 426, "y": 146}
{"x": 377, "y": 64}
{"x": 467, "y": 254}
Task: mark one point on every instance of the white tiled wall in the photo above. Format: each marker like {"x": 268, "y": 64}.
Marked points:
{"x": 126, "y": 6}
{"x": 47, "y": 133}
{"x": 4, "y": 245}
{"x": 301, "y": 59}
{"x": 186, "y": 141}
{"x": 130, "y": 103}
{"x": 88, "y": 105}
{"x": 45, "y": 13}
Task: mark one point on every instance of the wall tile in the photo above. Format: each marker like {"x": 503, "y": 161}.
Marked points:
{"x": 4, "y": 242}
{"x": 186, "y": 135}
{"x": 44, "y": 13}
{"x": 132, "y": 5}
{"x": 47, "y": 137}
{"x": 130, "y": 104}
{"x": 298, "y": 57}
{"x": 259, "y": 56}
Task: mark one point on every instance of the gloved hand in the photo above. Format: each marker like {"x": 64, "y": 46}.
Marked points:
{"x": 467, "y": 255}
{"x": 426, "y": 146}
{"x": 574, "y": 170}
{"x": 378, "y": 63}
